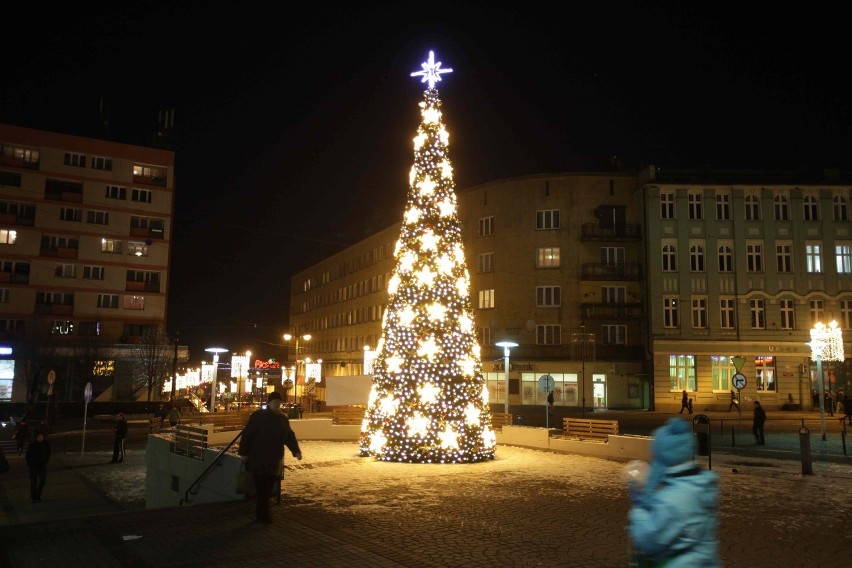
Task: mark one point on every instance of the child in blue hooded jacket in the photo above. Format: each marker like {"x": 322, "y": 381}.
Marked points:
{"x": 674, "y": 518}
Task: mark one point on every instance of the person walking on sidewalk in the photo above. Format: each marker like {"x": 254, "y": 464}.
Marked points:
{"x": 38, "y": 454}
{"x": 757, "y": 426}
{"x": 262, "y": 448}
{"x": 118, "y": 441}
{"x": 22, "y": 436}
{"x": 174, "y": 416}
{"x": 684, "y": 402}
{"x": 735, "y": 403}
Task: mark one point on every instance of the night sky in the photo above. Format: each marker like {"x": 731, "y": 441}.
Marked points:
{"x": 293, "y": 129}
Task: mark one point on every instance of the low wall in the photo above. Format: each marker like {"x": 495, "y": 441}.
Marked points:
{"x": 617, "y": 447}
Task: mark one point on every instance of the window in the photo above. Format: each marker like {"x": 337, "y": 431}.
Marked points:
{"x": 548, "y": 334}
{"x": 483, "y": 335}
{"x": 54, "y": 298}
{"x": 813, "y": 257}
{"x": 547, "y": 219}
{"x": 721, "y": 371}
{"x": 10, "y": 179}
{"x": 612, "y": 256}
{"x": 614, "y": 334}
{"x": 846, "y": 314}
{"x": 101, "y": 163}
{"x": 23, "y": 214}
{"x": 843, "y": 253}
{"x": 613, "y": 294}
{"x": 53, "y": 242}
{"x": 64, "y": 327}
{"x": 93, "y": 273}
{"x": 726, "y": 313}
{"x": 788, "y": 314}
{"x": 752, "y": 208}
{"x": 485, "y": 226}
{"x": 784, "y": 257}
{"x": 841, "y": 212}
{"x": 66, "y": 271}
{"x": 97, "y": 217}
{"x": 486, "y": 262}
{"x": 696, "y": 213}
{"x": 682, "y": 372}
{"x": 667, "y": 206}
{"x": 757, "y": 308}
{"x": 141, "y": 195}
{"x": 76, "y": 160}
{"x": 726, "y": 259}
{"x": 137, "y": 248}
{"x": 782, "y": 208}
{"x": 151, "y": 226}
{"x": 765, "y": 370}
{"x": 811, "y": 211}
{"x": 547, "y": 257}
{"x": 155, "y": 173}
{"x": 548, "y": 296}
{"x": 696, "y": 258}
{"x": 817, "y": 310}
{"x": 116, "y": 192}
{"x": 107, "y": 300}
{"x": 8, "y": 236}
{"x": 754, "y": 257}
{"x": 723, "y": 207}
{"x": 134, "y": 303}
{"x": 70, "y": 214}
{"x": 486, "y": 299}
{"x": 699, "y": 313}
{"x": 111, "y": 246}
{"x": 669, "y": 258}
{"x": 4, "y": 295}
{"x": 670, "y": 316}
{"x": 89, "y": 328}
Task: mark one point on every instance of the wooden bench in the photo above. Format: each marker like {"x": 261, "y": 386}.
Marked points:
{"x": 588, "y": 428}
{"x": 351, "y": 415}
{"x": 500, "y": 419}
{"x": 224, "y": 422}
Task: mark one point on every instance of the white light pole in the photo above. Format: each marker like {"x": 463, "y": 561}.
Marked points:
{"x": 215, "y": 351}
{"x": 506, "y": 345}
{"x": 826, "y": 343}
{"x": 287, "y": 338}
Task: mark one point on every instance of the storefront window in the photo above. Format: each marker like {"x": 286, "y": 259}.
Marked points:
{"x": 564, "y": 389}
{"x": 682, "y": 372}
{"x": 496, "y": 383}
{"x": 722, "y": 371}
{"x": 765, "y": 369}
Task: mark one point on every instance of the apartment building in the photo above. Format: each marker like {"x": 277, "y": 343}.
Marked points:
{"x": 85, "y": 237}
{"x": 744, "y": 264}
{"x": 554, "y": 262}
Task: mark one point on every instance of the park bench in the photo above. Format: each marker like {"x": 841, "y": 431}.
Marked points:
{"x": 349, "y": 415}
{"x": 224, "y": 422}
{"x": 500, "y": 419}
{"x": 588, "y": 429}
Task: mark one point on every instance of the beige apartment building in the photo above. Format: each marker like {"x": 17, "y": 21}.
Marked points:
{"x": 85, "y": 237}
{"x": 744, "y": 264}
{"x": 554, "y": 262}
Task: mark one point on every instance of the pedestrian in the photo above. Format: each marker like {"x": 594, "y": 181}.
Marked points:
{"x": 174, "y": 416}
{"x": 262, "y": 448}
{"x": 735, "y": 402}
{"x": 118, "y": 441}
{"x": 759, "y": 421}
{"x": 684, "y": 402}
{"x": 815, "y": 399}
{"x": 162, "y": 413}
{"x": 38, "y": 454}
{"x": 689, "y": 405}
{"x": 22, "y": 435}
{"x": 674, "y": 515}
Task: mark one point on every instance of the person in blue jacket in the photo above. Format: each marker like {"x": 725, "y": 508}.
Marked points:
{"x": 674, "y": 517}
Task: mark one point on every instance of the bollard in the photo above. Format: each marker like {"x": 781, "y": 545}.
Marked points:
{"x": 805, "y": 451}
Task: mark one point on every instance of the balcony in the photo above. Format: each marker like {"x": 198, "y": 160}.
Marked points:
{"x": 624, "y": 232}
{"x": 54, "y": 309}
{"x": 133, "y": 286}
{"x": 612, "y": 271}
{"x": 145, "y": 232}
{"x": 159, "y": 181}
{"x": 14, "y": 162}
{"x": 60, "y": 252}
{"x": 607, "y": 311}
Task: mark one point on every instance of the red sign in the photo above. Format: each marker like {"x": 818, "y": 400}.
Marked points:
{"x": 271, "y": 364}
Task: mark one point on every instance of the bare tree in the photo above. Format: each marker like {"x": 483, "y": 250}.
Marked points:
{"x": 151, "y": 360}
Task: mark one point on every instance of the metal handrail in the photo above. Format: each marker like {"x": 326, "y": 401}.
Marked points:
{"x": 204, "y": 473}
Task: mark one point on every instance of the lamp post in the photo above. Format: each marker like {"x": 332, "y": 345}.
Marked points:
{"x": 242, "y": 364}
{"x": 506, "y": 345}
{"x": 582, "y": 345}
{"x": 295, "y": 338}
{"x": 215, "y": 351}
{"x": 826, "y": 343}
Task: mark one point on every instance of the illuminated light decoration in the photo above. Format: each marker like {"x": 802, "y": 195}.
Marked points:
{"x": 431, "y": 71}
{"x": 429, "y": 401}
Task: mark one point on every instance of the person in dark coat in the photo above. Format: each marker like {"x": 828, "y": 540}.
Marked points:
{"x": 38, "y": 454}
{"x": 22, "y": 436}
{"x": 759, "y": 421}
{"x": 118, "y": 441}
{"x": 174, "y": 416}
{"x": 684, "y": 402}
{"x": 735, "y": 403}
{"x": 262, "y": 448}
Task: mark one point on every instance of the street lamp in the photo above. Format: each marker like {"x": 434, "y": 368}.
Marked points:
{"x": 215, "y": 351}
{"x": 506, "y": 345}
{"x": 288, "y": 337}
{"x": 826, "y": 343}
{"x": 241, "y": 364}
{"x": 583, "y": 347}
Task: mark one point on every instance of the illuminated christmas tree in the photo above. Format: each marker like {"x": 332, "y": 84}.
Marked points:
{"x": 429, "y": 402}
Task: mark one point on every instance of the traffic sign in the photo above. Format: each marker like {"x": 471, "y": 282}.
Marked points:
{"x": 546, "y": 382}
{"x": 739, "y": 381}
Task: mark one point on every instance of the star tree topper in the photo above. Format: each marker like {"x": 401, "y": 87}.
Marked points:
{"x": 431, "y": 71}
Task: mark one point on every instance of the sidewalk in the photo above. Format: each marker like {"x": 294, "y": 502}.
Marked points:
{"x": 526, "y": 508}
